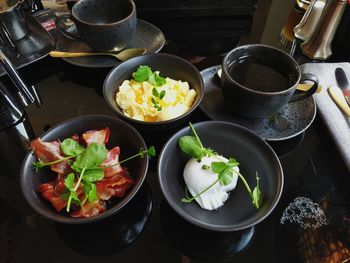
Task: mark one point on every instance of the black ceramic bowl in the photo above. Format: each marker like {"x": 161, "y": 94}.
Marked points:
{"x": 229, "y": 140}
{"x": 121, "y": 134}
{"x": 168, "y": 66}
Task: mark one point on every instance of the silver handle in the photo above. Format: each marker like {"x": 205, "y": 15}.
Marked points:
{"x": 13, "y": 74}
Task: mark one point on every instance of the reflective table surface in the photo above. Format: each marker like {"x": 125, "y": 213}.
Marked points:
{"x": 147, "y": 229}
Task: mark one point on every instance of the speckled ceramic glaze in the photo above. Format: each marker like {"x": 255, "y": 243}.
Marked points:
{"x": 260, "y": 104}
{"x": 147, "y": 36}
{"x": 105, "y": 24}
{"x": 289, "y": 121}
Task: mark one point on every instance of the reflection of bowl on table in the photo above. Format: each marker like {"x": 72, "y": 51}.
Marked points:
{"x": 169, "y": 66}
{"x": 202, "y": 244}
{"x": 122, "y": 135}
{"x": 230, "y": 140}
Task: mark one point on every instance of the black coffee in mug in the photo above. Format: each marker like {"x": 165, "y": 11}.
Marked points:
{"x": 259, "y": 74}
{"x": 257, "y": 80}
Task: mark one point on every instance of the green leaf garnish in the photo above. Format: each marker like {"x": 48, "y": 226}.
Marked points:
{"x": 71, "y": 147}
{"x": 91, "y": 157}
{"x": 142, "y": 74}
{"x": 257, "y": 194}
{"x": 162, "y": 94}
{"x": 192, "y": 146}
{"x": 218, "y": 167}
{"x": 93, "y": 175}
{"x": 155, "y": 92}
{"x": 90, "y": 191}
{"x": 151, "y": 151}
{"x": 40, "y": 164}
{"x": 69, "y": 181}
{"x": 226, "y": 176}
{"x": 156, "y": 80}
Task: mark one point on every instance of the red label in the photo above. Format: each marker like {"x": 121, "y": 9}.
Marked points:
{"x": 49, "y": 25}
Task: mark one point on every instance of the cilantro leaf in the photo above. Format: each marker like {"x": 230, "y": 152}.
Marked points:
{"x": 142, "y": 74}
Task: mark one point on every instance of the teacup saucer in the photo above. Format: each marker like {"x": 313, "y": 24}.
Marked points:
{"x": 147, "y": 36}
{"x": 291, "y": 120}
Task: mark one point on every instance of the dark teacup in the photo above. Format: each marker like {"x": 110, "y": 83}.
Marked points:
{"x": 104, "y": 25}
{"x": 257, "y": 80}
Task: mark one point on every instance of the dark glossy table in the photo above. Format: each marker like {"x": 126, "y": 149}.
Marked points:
{"x": 147, "y": 230}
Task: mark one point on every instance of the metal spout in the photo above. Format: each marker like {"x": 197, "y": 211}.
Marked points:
{"x": 309, "y": 21}
{"x": 319, "y": 45}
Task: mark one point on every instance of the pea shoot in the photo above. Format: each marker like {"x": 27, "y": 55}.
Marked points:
{"x": 87, "y": 170}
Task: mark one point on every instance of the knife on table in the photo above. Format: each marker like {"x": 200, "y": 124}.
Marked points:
{"x": 343, "y": 83}
{"x": 337, "y": 96}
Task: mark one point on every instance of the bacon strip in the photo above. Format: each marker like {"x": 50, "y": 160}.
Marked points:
{"x": 49, "y": 152}
{"x": 96, "y": 136}
{"x": 116, "y": 185}
{"x": 111, "y": 165}
{"x": 90, "y": 209}
{"x": 48, "y": 192}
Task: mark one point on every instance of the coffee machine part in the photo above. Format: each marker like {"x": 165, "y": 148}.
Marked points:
{"x": 13, "y": 20}
{"x": 319, "y": 45}
{"x": 15, "y": 133}
{"x": 309, "y": 21}
{"x": 29, "y": 95}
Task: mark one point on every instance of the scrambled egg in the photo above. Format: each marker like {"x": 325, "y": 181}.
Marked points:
{"x": 138, "y": 101}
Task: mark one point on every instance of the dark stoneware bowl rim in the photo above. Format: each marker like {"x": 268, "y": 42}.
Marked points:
{"x": 209, "y": 226}
{"x": 27, "y": 191}
{"x": 266, "y": 93}
{"x": 159, "y": 123}
{"x": 132, "y": 13}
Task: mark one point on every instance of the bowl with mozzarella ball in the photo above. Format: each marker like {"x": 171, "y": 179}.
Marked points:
{"x": 154, "y": 92}
{"x": 220, "y": 176}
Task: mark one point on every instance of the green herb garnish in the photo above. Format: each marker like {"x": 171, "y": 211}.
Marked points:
{"x": 87, "y": 168}
{"x": 142, "y": 74}
{"x": 192, "y": 146}
{"x": 145, "y": 73}
{"x": 69, "y": 147}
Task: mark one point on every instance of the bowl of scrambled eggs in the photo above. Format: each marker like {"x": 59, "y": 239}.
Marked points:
{"x": 157, "y": 90}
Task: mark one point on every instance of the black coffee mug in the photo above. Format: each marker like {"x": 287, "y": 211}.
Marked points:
{"x": 104, "y": 25}
{"x": 257, "y": 80}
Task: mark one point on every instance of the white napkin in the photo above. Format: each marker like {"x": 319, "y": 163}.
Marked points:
{"x": 336, "y": 121}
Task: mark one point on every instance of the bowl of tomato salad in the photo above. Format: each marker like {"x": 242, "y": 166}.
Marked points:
{"x": 84, "y": 169}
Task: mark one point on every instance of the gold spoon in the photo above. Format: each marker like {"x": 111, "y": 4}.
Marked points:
{"x": 122, "y": 55}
